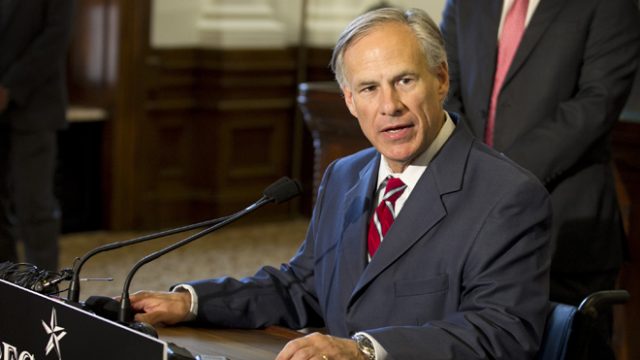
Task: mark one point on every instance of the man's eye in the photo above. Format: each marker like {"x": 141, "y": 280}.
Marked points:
{"x": 367, "y": 89}
{"x": 406, "y": 81}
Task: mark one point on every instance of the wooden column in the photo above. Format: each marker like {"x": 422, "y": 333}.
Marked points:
{"x": 132, "y": 19}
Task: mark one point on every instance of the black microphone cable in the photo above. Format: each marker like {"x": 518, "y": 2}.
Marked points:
{"x": 31, "y": 277}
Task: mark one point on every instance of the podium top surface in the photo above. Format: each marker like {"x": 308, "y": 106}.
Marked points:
{"x": 235, "y": 344}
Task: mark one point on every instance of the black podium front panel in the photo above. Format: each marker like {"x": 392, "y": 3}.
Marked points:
{"x": 35, "y": 327}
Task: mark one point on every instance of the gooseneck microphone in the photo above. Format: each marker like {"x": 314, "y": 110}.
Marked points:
{"x": 280, "y": 191}
{"x": 74, "y": 287}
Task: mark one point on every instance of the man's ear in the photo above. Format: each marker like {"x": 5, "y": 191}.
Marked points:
{"x": 348, "y": 99}
{"x": 443, "y": 81}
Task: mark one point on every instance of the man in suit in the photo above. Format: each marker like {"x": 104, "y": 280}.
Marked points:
{"x": 551, "y": 111}
{"x": 462, "y": 271}
{"x": 34, "y": 37}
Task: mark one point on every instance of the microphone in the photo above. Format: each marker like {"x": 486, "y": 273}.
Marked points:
{"x": 73, "y": 294}
{"x": 280, "y": 191}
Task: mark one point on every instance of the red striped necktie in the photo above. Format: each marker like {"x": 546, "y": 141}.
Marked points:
{"x": 384, "y": 214}
{"x": 508, "y": 43}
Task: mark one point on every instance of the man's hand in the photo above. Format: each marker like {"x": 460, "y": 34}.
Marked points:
{"x": 317, "y": 346}
{"x": 4, "y": 98}
{"x": 161, "y": 308}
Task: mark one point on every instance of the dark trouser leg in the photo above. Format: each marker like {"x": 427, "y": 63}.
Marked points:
{"x": 34, "y": 162}
{"x": 572, "y": 289}
{"x": 7, "y": 220}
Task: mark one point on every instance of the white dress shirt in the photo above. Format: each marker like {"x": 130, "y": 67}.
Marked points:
{"x": 506, "y": 5}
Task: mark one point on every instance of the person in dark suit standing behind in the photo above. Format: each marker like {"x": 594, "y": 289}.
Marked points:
{"x": 462, "y": 271}
{"x": 34, "y": 38}
{"x": 546, "y": 89}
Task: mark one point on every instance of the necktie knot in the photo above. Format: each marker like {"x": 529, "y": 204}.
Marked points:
{"x": 393, "y": 190}
{"x": 384, "y": 214}
{"x": 394, "y": 186}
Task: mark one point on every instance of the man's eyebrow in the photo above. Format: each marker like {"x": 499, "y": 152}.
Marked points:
{"x": 405, "y": 74}
{"x": 365, "y": 83}
{"x": 395, "y": 78}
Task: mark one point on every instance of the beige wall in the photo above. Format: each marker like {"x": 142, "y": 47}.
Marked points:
{"x": 275, "y": 23}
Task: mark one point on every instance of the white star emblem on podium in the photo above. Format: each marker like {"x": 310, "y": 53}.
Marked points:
{"x": 55, "y": 332}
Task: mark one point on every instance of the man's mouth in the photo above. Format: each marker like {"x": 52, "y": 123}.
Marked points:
{"x": 396, "y": 129}
{"x": 398, "y": 132}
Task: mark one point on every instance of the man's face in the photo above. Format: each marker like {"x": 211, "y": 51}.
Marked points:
{"x": 392, "y": 92}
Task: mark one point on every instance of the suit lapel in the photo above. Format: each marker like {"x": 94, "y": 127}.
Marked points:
{"x": 487, "y": 21}
{"x": 410, "y": 225}
{"x": 544, "y": 15}
{"x": 424, "y": 208}
{"x": 481, "y": 19}
{"x": 357, "y": 205}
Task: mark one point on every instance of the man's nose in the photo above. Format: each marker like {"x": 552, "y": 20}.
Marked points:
{"x": 391, "y": 102}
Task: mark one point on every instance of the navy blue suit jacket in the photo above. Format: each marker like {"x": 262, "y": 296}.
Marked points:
{"x": 462, "y": 273}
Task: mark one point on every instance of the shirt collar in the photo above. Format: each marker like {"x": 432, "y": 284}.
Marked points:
{"x": 414, "y": 171}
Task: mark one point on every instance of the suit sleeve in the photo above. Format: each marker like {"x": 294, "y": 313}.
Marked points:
{"x": 504, "y": 298}
{"x": 43, "y": 57}
{"x": 284, "y": 296}
{"x": 609, "y": 62}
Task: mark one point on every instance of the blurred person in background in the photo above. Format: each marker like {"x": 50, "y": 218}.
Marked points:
{"x": 544, "y": 81}
{"x": 34, "y": 38}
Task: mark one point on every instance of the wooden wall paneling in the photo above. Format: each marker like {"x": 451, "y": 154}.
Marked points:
{"x": 167, "y": 137}
{"x": 164, "y": 175}
{"x": 214, "y": 130}
{"x": 193, "y": 133}
{"x": 170, "y": 80}
{"x": 251, "y": 156}
{"x": 204, "y": 151}
{"x": 318, "y": 65}
{"x": 249, "y": 94}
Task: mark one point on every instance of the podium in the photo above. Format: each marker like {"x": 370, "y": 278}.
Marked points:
{"x": 34, "y": 326}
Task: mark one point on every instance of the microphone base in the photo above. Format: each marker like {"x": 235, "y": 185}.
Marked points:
{"x": 109, "y": 309}
{"x": 143, "y": 327}
{"x": 103, "y": 306}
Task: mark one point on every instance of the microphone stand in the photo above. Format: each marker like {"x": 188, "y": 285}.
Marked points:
{"x": 73, "y": 294}
{"x": 125, "y": 314}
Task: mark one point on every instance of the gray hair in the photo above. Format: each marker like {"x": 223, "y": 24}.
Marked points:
{"x": 423, "y": 27}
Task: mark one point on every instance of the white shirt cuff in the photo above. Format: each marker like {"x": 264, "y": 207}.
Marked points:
{"x": 193, "y": 309}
